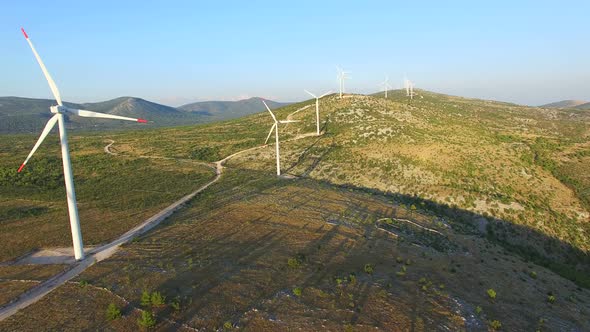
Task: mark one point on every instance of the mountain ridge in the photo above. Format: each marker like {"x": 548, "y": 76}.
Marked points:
{"x": 29, "y": 115}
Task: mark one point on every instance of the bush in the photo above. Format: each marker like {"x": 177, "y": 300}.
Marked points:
{"x": 146, "y": 299}
{"x": 495, "y": 324}
{"x": 491, "y": 293}
{"x": 551, "y": 298}
{"x": 297, "y": 291}
{"x": 147, "y": 320}
{"x": 478, "y": 310}
{"x": 533, "y": 274}
{"x": 157, "y": 299}
{"x": 369, "y": 268}
{"x": 113, "y": 312}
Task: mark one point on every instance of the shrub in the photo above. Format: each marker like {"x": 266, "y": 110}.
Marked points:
{"x": 83, "y": 283}
{"x": 495, "y": 324}
{"x": 147, "y": 320}
{"x": 551, "y": 298}
{"x": 113, "y": 312}
{"x": 228, "y": 325}
{"x": 491, "y": 293}
{"x": 369, "y": 268}
{"x": 157, "y": 299}
{"x": 175, "y": 304}
{"x": 297, "y": 291}
{"x": 478, "y": 310}
{"x": 146, "y": 299}
{"x": 295, "y": 262}
{"x": 533, "y": 274}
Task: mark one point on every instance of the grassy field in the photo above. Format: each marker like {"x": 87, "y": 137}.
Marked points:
{"x": 401, "y": 216}
{"x": 114, "y": 192}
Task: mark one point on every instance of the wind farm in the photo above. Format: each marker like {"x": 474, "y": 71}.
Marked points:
{"x": 386, "y": 207}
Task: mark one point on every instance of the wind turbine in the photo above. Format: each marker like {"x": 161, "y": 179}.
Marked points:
{"x": 59, "y": 110}
{"x": 342, "y": 75}
{"x": 386, "y": 85}
{"x": 275, "y": 127}
{"x": 317, "y": 108}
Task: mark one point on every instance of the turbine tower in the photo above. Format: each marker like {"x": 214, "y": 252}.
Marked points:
{"x": 342, "y": 75}
{"x": 386, "y": 85}
{"x": 275, "y": 127}
{"x": 317, "y": 109}
{"x": 59, "y": 111}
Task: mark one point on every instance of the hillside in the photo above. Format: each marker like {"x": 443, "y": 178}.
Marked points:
{"x": 439, "y": 214}
{"x": 509, "y": 164}
{"x": 225, "y": 110}
{"x": 585, "y": 106}
{"x": 26, "y": 115}
{"x": 565, "y": 104}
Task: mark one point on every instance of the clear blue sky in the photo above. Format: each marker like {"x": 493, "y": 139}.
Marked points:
{"x": 530, "y": 52}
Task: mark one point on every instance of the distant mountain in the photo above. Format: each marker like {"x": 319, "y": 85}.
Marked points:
{"x": 28, "y": 115}
{"x": 565, "y": 104}
{"x": 585, "y": 106}
{"x": 224, "y": 110}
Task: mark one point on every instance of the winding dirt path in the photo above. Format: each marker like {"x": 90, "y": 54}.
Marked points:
{"x": 107, "y": 250}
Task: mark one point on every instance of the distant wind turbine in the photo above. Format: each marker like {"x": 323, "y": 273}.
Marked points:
{"x": 386, "y": 85}
{"x": 275, "y": 127}
{"x": 59, "y": 110}
{"x": 317, "y": 108}
{"x": 409, "y": 86}
{"x": 342, "y": 75}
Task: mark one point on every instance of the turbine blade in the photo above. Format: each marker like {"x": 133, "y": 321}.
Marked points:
{"x": 325, "y": 94}
{"x": 45, "y": 72}
{"x": 311, "y": 94}
{"x": 44, "y": 134}
{"x": 90, "y": 114}
{"x": 273, "y": 116}
{"x": 270, "y": 133}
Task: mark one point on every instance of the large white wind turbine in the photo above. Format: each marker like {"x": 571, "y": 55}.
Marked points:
{"x": 342, "y": 75}
{"x": 317, "y": 108}
{"x": 59, "y": 110}
{"x": 386, "y": 85}
{"x": 275, "y": 127}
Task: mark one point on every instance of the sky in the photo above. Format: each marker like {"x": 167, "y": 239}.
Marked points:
{"x": 176, "y": 52}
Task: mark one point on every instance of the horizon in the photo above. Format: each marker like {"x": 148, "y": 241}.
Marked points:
{"x": 501, "y": 51}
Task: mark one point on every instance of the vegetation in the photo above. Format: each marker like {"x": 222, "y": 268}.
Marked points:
{"x": 147, "y": 320}
{"x": 491, "y": 293}
{"x": 113, "y": 312}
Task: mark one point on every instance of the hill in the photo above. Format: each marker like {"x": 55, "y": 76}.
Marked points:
{"x": 585, "y": 106}
{"x": 27, "y": 115}
{"x": 441, "y": 213}
{"x": 225, "y": 110}
{"x": 565, "y": 104}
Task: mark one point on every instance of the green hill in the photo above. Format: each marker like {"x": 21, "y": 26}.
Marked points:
{"x": 436, "y": 214}
{"x": 27, "y": 115}
{"x": 225, "y": 110}
{"x": 565, "y": 104}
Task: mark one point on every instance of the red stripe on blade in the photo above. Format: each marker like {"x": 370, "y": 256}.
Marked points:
{"x": 141, "y": 121}
{"x": 21, "y": 168}
{"x": 24, "y": 33}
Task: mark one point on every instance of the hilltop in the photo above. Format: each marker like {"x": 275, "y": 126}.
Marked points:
{"x": 225, "y": 110}
{"x": 581, "y": 104}
{"x": 27, "y": 115}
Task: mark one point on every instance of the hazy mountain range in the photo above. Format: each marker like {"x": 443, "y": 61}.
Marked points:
{"x": 579, "y": 104}
{"x": 25, "y": 115}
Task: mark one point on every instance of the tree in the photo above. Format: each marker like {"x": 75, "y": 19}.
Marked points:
{"x": 147, "y": 320}
{"x": 113, "y": 312}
